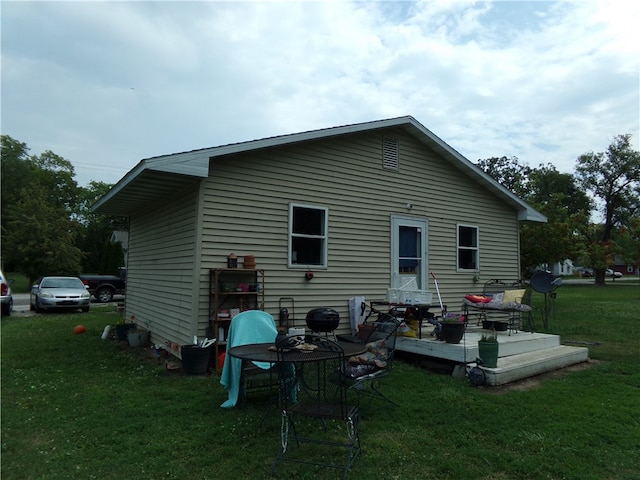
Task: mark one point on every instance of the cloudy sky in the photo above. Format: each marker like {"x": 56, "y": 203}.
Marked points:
{"x": 106, "y": 84}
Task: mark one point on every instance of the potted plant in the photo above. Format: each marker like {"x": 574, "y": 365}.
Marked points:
{"x": 488, "y": 349}
{"x": 452, "y": 327}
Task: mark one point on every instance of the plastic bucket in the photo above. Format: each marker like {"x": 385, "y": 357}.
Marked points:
{"x": 195, "y": 359}
{"x": 488, "y": 352}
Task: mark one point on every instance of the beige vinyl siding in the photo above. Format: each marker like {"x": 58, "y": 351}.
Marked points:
{"x": 160, "y": 289}
{"x": 245, "y": 211}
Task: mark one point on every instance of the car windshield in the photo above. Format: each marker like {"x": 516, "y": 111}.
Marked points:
{"x": 62, "y": 283}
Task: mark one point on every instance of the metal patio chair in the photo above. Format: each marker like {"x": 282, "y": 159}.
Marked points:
{"x": 314, "y": 409}
{"x": 239, "y": 377}
{"x": 364, "y": 373}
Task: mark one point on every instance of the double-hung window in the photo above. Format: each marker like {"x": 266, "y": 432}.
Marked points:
{"x": 468, "y": 248}
{"x": 308, "y": 235}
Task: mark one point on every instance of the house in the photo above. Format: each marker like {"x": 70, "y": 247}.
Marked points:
{"x": 364, "y": 207}
{"x": 559, "y": 269}
{"x": 121, "y": 237}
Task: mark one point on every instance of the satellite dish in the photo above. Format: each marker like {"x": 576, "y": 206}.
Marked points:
{"x": 544, "y": 282}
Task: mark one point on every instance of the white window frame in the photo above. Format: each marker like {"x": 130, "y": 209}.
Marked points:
{"x": 459, "y": 247}
{"x": 324, "y": 237}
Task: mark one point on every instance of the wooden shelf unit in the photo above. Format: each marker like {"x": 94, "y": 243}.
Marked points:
{"x": 232, "y": 289}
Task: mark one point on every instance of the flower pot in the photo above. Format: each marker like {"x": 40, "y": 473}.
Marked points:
{"x": 195, "y": 359}
{"x": 122, "y": 329}
{"x": 138, "y": 338}
{"x": 452, "y": 332}
{"x": 488, "y": 353}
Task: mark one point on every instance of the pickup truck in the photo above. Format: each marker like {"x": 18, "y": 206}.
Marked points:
{"x": 104, "y": 287}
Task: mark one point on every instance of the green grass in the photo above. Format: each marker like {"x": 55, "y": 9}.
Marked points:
{"x": 74, "y": 406}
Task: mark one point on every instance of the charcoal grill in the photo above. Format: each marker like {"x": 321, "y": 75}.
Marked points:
{"x": 323, "y": 320}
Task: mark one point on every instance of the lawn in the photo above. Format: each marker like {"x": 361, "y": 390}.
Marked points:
{"x": 75, "y": 406}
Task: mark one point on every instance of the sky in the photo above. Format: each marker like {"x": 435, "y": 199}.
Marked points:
{"x": 107, "y": 84}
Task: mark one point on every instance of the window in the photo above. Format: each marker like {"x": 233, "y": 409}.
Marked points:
{"x": 307, "y": 236}
{"x": 467, "y": 247}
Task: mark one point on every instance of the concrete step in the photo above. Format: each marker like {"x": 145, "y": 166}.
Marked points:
{"x": 516, "y": 367}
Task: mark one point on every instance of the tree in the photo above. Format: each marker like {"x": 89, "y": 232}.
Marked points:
{"x": 554, "y": 194}
{"x": 508, "y": 172}
{"x": 102, "y": 256}
{"x": 38, "y": 197}
{"x": 613, "y": 178}
{"x": 39, "y": 238}
{"x": 566, "y": 207}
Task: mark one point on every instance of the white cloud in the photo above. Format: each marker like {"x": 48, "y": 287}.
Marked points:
{"x": 106, "y": 84}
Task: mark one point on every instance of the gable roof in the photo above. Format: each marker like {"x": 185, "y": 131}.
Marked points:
{"x": 153, "y": 178}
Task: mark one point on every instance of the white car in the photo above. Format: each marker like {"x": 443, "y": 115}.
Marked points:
{"x": 59, "y": 293}
{"x": 6, "y": 299}
{"x": 611, "y": 273}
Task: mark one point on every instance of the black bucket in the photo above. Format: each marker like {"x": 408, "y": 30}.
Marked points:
{"x": 195, "y": 359}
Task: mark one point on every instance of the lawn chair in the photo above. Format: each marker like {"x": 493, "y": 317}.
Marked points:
{"x": 364, "y": 373}
{"x": 238, "y": 376}
{"x": 314, "y": 409}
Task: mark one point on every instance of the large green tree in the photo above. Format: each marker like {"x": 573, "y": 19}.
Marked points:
{"x": 554, "y": 194}
{"x": 566, "y": 207}
{"x": 613, "y": 178}
{"x": 39, "y": 195}
{"x": 47, "y": 223}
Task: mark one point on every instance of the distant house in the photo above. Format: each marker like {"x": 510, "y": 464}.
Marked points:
{"x": 619, "y": 265}
{"x": 121, "y": 237}
{"x": 365, "y": 207}
{"x": 565, "y": 267}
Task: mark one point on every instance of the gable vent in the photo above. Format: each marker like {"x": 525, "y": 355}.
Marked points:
{"x": 390, "y": 148}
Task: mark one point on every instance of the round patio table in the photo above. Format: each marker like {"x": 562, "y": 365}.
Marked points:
{"x": 265, "y": 352}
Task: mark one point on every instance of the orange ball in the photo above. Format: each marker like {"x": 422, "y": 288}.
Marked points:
{"x": 79, "y": 329}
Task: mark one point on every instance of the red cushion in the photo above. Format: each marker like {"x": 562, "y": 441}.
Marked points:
{"x": 478, "y": 298}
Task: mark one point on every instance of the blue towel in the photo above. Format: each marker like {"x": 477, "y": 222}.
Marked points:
{"x": 252, "y": 326}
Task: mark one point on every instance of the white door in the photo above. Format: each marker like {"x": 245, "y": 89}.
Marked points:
{"x": 408, "y": 253}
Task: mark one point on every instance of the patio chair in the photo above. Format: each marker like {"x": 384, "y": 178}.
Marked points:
{"x": 314, "y": 409}
{"x": 363, "y": 374}
{"x": 238, "y": 376}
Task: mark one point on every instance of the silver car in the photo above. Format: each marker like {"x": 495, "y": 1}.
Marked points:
{"x": 58, "y": 293}
{"x": 6, "y": 299}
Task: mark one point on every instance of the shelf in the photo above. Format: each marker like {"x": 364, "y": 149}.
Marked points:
{"x": 225, "y": 296}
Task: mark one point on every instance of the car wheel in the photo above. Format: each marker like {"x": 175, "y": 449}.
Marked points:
{"x": 6, "y": 309}
{"x": 39, "y": 309}
{"x": 85, "y": 309}
{"x": 104, "y": 295}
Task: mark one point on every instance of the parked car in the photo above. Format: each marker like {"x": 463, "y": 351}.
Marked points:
{"x": 58, "y": 293}
{"x": 611, "y": 273}
{"x": 587, "y": 273}
{"x": 6, "y": 298}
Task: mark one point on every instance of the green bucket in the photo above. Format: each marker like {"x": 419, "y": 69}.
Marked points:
{"x": 488, "y": 353}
